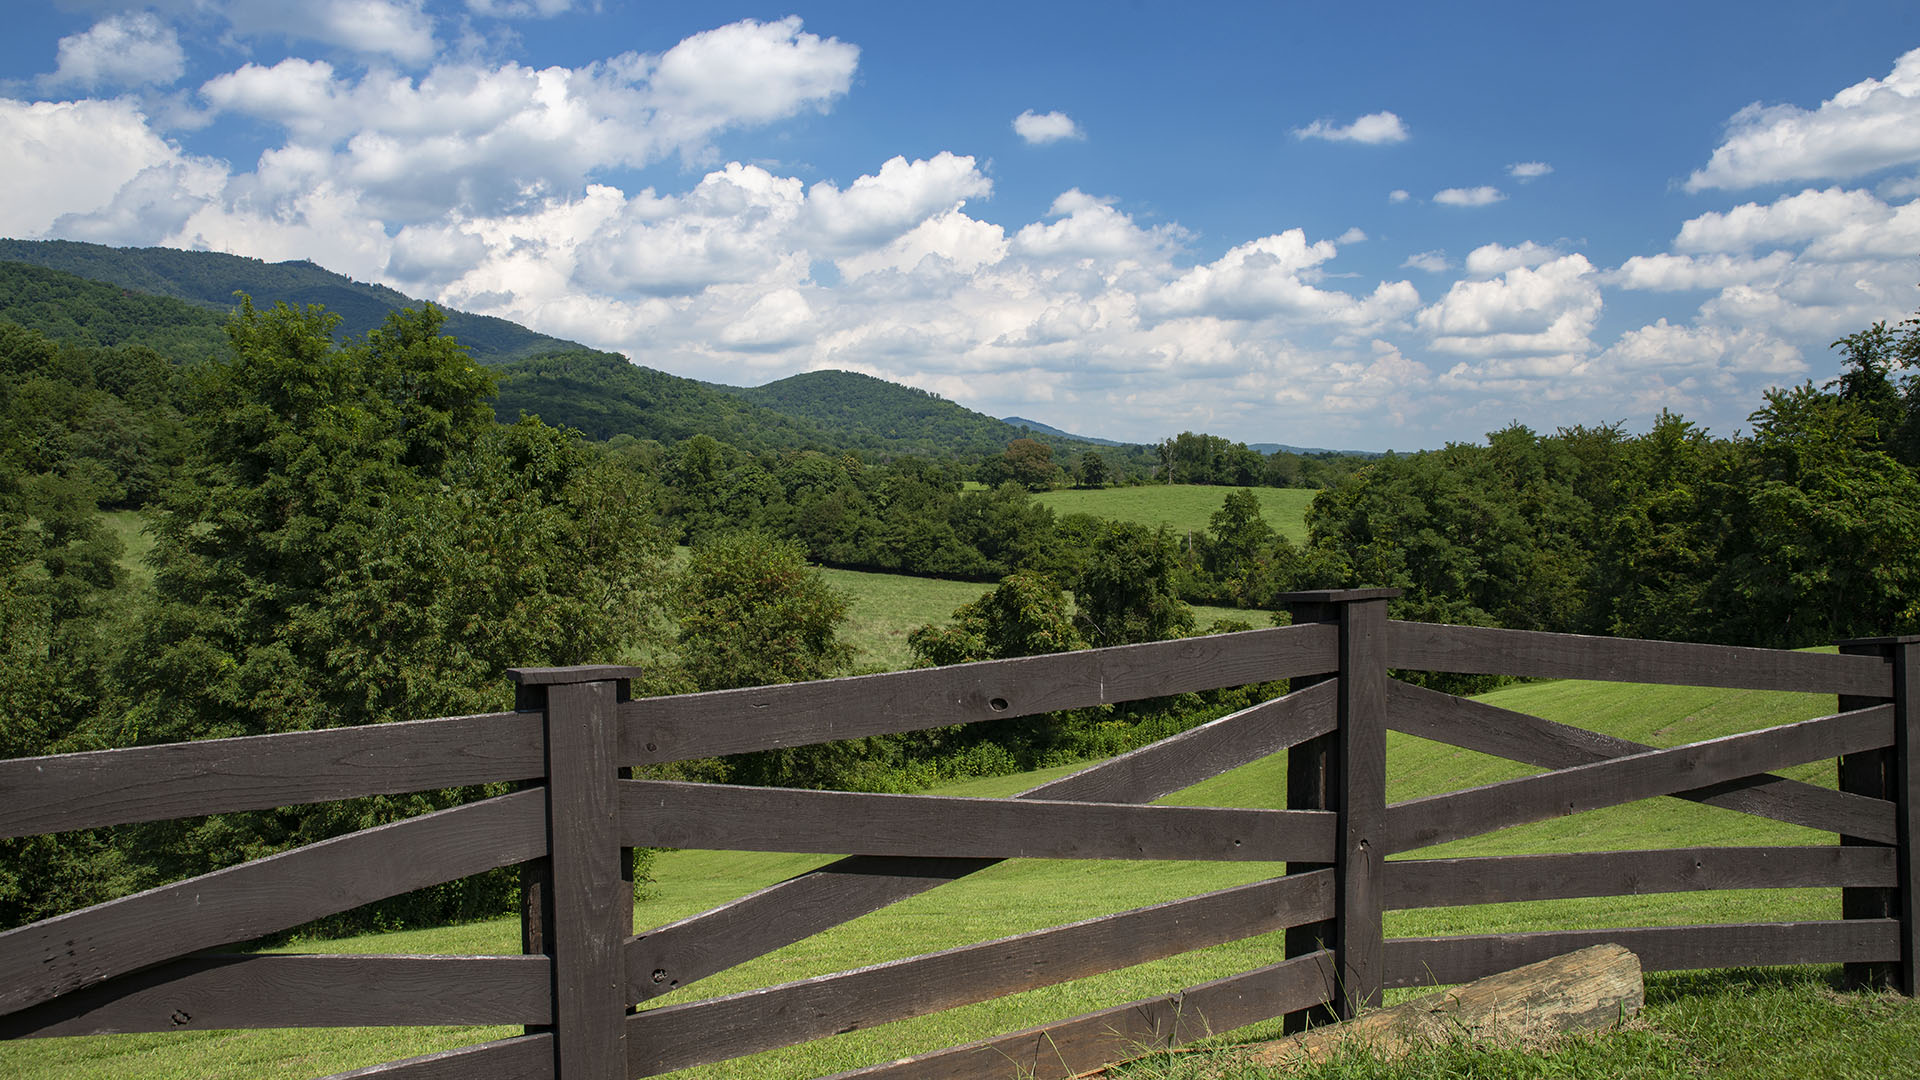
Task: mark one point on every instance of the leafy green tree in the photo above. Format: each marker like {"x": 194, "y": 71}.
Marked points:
{"x": 1827, "y": 541}
{"x": 753, "y": 613}
{"x": 355, "y": 540}
{"x": 1027, "y": 614}
{"x": 1236, "y": 553}
{"x": 1093, "y": 471}
{"x": 1126, "y": 591}
{"x": 1029, "y": 463}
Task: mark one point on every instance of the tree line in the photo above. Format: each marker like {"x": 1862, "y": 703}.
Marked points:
{"x": 345, "y": 534}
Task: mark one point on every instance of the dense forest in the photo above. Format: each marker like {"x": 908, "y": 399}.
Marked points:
{"x": 347, "y": 530}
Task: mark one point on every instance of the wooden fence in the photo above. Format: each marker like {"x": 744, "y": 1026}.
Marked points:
{"x": 141, "y": 963}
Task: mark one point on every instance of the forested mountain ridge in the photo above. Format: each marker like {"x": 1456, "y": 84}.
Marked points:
{"x": 603, "y": 395}
{"x": 78, "y": 311}
{"x": 872, "y": 413}
{"x": 210, "y": 278}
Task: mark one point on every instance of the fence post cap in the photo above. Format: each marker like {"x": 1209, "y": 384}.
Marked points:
{"x": 560, "y": 676}
{"x": 1337, "y": 596}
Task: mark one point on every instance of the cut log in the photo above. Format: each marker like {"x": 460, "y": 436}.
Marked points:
{"x": 1588, "y": 990}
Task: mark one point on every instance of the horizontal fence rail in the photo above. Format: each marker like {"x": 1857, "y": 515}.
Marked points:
{"x": 142, "y": 963}
{"x": 657, "y": 730}
{"x": 259, "y": 772}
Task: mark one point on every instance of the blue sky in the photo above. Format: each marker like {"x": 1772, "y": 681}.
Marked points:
{"x": 1388, "y": 226}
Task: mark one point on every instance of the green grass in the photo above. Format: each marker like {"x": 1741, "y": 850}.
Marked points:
{"x": 1768, "y": 1024}
{"x": 884, "y": 608}
{"x": 1183, "y": 507}
{"x": 1029, "y": 894}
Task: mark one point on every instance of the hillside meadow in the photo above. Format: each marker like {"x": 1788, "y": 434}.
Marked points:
{"x": 1184, "y": 508}
{"x": 1028, "y": 894}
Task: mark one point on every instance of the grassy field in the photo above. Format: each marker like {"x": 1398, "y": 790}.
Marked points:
{"x": 1183, "y": 507}
{"x": 883, "y": 609}
{"x": 1028, "y": 894}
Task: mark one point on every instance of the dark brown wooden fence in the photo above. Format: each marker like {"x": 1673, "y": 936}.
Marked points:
{"x": 140, "y": 963}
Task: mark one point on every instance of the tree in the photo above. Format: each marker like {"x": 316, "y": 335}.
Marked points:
{"x": 1126, "y": 591}
{"x": 355, "y": 540}
{"x": 753, "y": 613}
{"x": 1093, "y": 471}
{"x": 1029, "y": 463}
{"x": 1027, "y": 614}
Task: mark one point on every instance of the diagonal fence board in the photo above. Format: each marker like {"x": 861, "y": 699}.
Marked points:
{"x": 1440, "y": 961}
{"x": 701, "y": 1032}
{"x": 1499, "y": 879}
{"x": 693, "y": 948}
{"x": 275, "y": 991}
{"x": 1438, "y": 819}
{"x": 1070, "y": 1048}
{"x": 657, "y": 813}
{"x": 258, "y": 772}
{"x": 1482, "y": 650}
{"x": 523, "y": 1057}
{"x": 1489, "y": 729}
{"x": 42, "y": 960}
{"x": 659, "y": 730}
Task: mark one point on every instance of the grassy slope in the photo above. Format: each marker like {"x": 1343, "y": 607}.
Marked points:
{"x": 1033, "y": 893}
{"x": 1183, "y": 507}
{"x": 884, "y": 608}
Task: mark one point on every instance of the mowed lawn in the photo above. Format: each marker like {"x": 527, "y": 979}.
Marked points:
{"x": 1183, "y": 507}
{"x": 1028, "y": 894}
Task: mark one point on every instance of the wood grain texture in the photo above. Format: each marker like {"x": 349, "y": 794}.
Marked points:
{"x": 723, "y": 817}
{"x": 592, "y": 905}
{"x": 524, "y": 1057}
{"x": 1200, "y": 753}
{"x": 693, "y": 948}
{"x": 1438, "y": 961}
{"x": 1475, "y": 725}
{"x": 273, "y": 991}
{"x": 68, "y": 952}
{"x": 657, "y": 730}
{"x": 1498, "y": 879}
{"x": 1440, "y": 818}
{"x": 1072, "y": 1047}
{"x": 680, "y": 1036}
{"x": 1490, "y": 651}
{"x": 216, "y": 776}
{"x": 1361, "y": 804}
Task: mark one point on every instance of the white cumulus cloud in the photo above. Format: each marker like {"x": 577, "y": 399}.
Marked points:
{"x": 1544, "y": 310}
{"x": 1041, "y": 128}
{"x": 1374, "y": 128}
{"x": 400, "y": 29}
{"x": 1871, "y": 125}
{"x": 1474, "y": 196}
{"x": 1524, "y": 171}
{"x": 134, "y": 49}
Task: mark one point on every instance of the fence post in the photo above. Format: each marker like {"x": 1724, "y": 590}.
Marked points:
{"x": 1346, "y": 771}
{"x": 578, "y": 908}
{"x": 1892, "y": 774}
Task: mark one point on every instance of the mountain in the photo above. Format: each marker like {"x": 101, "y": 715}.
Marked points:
{"x": 177, "y": 302}
{"x": 67, "y": 308}
{"x": 603, "y": 395}
{"x": 874, "y": 414}
{"x": 210, "y": 278}
{"x": 1039, "y": 428}
{"x": 1310, "y": 451}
